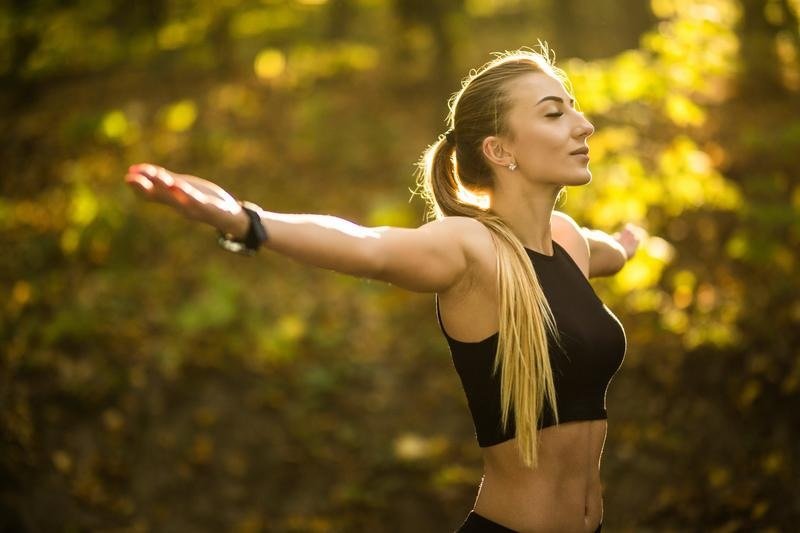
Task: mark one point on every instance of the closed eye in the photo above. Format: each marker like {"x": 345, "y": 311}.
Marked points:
{"x": 556, "y": 115}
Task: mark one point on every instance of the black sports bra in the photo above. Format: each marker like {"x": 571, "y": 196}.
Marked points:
{"x": 593, "y": 338}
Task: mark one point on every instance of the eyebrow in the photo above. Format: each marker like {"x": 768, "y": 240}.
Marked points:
{"x": 557, "y": 99}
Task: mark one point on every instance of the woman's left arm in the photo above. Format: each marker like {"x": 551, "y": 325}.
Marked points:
{"x": 609, "y": 253}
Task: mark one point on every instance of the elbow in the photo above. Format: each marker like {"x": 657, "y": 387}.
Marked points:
{"x": 371, "y": 264}
{"x": 374, "y": 270}
{"x": 618, "y": 257}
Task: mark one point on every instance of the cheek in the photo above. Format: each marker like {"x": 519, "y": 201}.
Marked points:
{"x": 537, "y": 142}
{"x": 538, "y": 135}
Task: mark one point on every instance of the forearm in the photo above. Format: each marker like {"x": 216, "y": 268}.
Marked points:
{"x": 607, "y": 255}
{"x": 323, "y": 241}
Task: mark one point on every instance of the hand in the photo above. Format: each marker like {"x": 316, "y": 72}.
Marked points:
{"x": 192, "y": 197}
{"x": 629, "y": 237}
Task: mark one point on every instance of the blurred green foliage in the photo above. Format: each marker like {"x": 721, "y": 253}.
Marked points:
{"x": 151, "y": 382}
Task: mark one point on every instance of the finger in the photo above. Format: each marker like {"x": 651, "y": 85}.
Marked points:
{"x": 163, "y": 183}
{"x": 139, "y": 183}
{"x": 145, "y": 169}
{"x": 164, "y": 176}
{"x": 160, "y": 176}
{"x": 159, "y": 188}
{"x": 135, "y": 168}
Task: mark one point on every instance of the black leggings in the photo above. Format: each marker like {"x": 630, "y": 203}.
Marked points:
{"x": 476, "y": 523}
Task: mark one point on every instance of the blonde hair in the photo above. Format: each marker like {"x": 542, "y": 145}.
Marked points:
{"x": 453, "y": 174}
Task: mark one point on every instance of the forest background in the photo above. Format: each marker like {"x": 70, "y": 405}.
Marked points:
{"x": 150, "y": 381}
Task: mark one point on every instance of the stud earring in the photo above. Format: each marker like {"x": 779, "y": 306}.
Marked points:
{"x": 512, "y": 166}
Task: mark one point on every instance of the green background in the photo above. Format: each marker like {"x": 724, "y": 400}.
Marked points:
{"x": 150, "y": 381}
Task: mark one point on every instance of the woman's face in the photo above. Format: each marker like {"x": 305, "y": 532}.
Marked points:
{"x": 546, "y": 129}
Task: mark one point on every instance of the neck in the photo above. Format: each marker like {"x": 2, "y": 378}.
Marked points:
{"x": 527, "y": 211}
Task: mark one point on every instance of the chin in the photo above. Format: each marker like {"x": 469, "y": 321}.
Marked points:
{"x": 577, "y": 181}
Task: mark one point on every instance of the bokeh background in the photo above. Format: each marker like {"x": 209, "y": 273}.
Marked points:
{"x": 151, "y": 381}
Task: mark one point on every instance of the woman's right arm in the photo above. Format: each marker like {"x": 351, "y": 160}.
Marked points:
{"x": 431, "y": 258}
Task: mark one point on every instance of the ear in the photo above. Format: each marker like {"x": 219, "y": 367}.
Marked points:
{"x": 494, "y": 150}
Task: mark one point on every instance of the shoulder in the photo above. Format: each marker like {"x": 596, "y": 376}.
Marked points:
{"x": 471, "y": 232}
{"x": 455, "y": 223}
{"x": 475, "y": 240}
{"x": 467, "y": 232}
{"x": 569, "y": 235}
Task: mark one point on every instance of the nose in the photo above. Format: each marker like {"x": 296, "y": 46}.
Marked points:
{"x": 584, "y": 128}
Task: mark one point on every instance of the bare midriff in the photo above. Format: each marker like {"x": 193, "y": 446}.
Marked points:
{"x": 563, "y": 494}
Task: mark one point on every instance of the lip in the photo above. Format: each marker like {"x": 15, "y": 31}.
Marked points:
{"x": 580, "y": 151}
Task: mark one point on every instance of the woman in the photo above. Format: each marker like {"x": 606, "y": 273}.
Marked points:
{"x": 534, "y": 346}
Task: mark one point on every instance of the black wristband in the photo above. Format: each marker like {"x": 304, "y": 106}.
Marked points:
{"x": 255, "y": 236}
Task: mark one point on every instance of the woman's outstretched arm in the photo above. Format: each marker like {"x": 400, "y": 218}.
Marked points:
{"x": 609, "y": 253}
{"x": 431, "y": 258}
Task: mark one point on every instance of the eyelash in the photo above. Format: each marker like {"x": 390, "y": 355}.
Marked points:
{"x": 555, "y": 115}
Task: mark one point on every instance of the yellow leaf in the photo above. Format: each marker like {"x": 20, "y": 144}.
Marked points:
{"x": 84, "y": 206}
{"x": 113, "y": 420}
{"x": 759, "y": 509}
{"x": 21, "y": 293}
{"x": 114, "y": 124}
{"x": 181, "y": 115}
{"x": 62, "y": 461}
{"x": 683, "y": 112}
{"x": 718, "y": 476}
{"x": 772, "y": 463}
{"x": 202, "y": 449}
{"x": 269, "y": 64}
{"x": 173, "y": 35}
{"x": 70, "y": 239}
{"x": 675, "y": 321}
{"x": 748, "y": 394}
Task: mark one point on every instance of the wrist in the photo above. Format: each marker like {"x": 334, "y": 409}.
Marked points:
{"x": 234, "y": 224}
{"x": 623, "y": 252}
{"x": 254, "y": 235}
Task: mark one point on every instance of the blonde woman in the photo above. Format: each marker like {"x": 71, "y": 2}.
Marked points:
{"x": 534, "y": 346}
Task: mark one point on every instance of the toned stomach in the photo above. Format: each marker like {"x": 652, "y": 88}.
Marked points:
{"x": 563, "y": 494}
